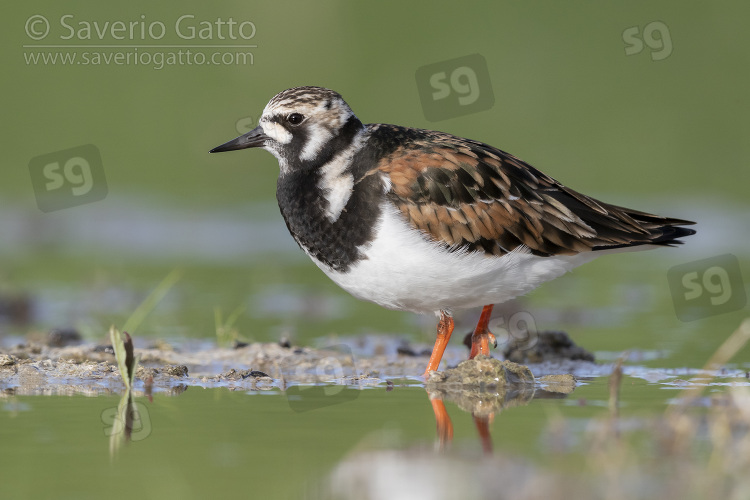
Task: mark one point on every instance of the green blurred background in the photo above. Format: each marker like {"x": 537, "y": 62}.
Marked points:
{"x": 663, "y": 134}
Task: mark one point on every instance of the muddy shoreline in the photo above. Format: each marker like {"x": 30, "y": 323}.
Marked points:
{"x": 47, "y": 368}
{"x": 86, "y": 368}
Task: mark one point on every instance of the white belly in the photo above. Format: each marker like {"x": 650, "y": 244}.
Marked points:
{"x": 404, "y": 271}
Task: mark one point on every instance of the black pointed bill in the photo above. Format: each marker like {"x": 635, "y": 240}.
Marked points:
{"x": 253, "y": 139}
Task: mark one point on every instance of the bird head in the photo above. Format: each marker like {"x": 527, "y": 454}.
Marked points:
{"x": 303, "y": 127}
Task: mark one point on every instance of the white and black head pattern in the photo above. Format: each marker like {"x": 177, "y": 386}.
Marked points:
{"x": 316, "y": 137}
{"x": 307, "y": 126}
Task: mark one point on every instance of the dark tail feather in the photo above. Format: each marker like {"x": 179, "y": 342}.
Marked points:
{"x": 663, "y": 231}
{"x": 671, "y": 235}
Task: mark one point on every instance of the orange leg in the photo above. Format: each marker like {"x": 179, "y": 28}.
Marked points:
{"x": 480, "y": 339}
{"x": 444, "y": 424}
{"x": 444, "y": 331}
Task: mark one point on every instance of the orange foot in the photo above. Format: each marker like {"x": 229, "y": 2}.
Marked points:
{"x": 481, "y": 338}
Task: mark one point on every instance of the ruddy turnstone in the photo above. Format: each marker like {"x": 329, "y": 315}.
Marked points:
{"x": 424, "y": 221}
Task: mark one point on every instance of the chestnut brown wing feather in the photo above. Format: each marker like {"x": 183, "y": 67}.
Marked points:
{"x": 468, "y": 195}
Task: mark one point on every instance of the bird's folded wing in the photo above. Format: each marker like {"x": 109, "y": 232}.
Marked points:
{"x": 468, "y": 195}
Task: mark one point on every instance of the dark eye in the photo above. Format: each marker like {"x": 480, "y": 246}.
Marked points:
{"x": 295, "y": 118}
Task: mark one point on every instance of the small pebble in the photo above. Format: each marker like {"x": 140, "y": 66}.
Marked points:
{"x": 176, "y": 370}
{"x": 105, "y": 349}
{"x": 7, "y": 360}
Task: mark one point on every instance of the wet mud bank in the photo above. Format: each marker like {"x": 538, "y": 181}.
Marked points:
{"x": 83, "y": 368}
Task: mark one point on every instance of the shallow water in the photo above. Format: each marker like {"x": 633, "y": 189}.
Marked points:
{"x": 258, "y": 444}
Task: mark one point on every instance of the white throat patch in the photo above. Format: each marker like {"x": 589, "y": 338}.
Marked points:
{"x": 336, "y": 183}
